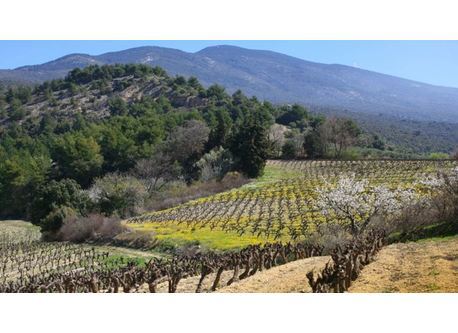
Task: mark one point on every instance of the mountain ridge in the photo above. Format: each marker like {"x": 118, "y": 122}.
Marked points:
{"x": 276, "y": 77}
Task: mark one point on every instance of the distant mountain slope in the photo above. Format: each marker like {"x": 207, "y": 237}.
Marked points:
{"x": 275, "y": 77}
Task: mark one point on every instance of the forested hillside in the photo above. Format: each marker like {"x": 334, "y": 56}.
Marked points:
{"x": 410, "y": 137}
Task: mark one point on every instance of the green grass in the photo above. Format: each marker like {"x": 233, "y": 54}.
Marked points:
{"x": 271, "y": 174}
{"x": 117, "y": 261}
{"x": 434, "y": 232}
{"x": 437, "y": 239}
{"x": 128, "y": 252}
{"x": 432, "y": 287}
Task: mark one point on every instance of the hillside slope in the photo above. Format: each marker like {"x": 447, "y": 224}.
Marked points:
{"x": 275, "y": 77}
{"x": 426, "y": 266}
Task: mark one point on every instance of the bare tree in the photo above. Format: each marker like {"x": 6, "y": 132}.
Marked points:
{"x": 156, "y": 171}
{"x": 187, "y": 140}
{"x": 340, "y": 133}
{"x": 454, "y": 155}
{"x": 276, "y": 137}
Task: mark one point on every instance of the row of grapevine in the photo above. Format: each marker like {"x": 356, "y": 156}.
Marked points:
{"x": 72, "y": 268}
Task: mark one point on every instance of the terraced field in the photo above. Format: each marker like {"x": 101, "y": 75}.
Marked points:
{"x": 280, "y": 206}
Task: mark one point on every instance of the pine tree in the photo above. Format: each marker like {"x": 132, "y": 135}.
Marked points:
{"x": 251, "y": 146}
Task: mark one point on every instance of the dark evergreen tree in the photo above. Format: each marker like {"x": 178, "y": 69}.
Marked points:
{"x": 289, "y": 150}
{"x": 293, "y": 114}
{"x": 220, "y": 130}
{"x": 250, "y": 145}
{"x": 53, "y": 201}
{"x": 313, "y": 144}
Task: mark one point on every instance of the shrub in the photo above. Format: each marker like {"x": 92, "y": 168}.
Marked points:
{"x": 454, "y": 155}
{"x": 92, "y": 227}
{"x": 56, "y": 218}
{"x": 215, "y": 164}
{"x": 117, "y": 106}
{"x": 350, "y": 154}
{"x": 117, "y": 194}
{"x": 178, "y": 192}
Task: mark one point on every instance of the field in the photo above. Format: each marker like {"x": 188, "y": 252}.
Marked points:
{"x": 280, "y": 206}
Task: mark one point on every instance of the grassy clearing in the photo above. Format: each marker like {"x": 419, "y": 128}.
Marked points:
{"x": 437, "y": 231}
{"x": 127, "y": 252}
{"x": 273, "y": 173}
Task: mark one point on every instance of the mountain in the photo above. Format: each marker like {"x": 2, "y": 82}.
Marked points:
{"x": 275, "y": 77}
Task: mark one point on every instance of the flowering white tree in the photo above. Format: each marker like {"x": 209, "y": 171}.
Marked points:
{"x": 353, "y": 203}
{"x": 441, "y": 180}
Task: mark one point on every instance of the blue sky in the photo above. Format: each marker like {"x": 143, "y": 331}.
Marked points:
{"x": 434, "y": 62}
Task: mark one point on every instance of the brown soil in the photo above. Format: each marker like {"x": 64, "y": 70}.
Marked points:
{"x": 289, "y": 278}
{"x": 424, "y": 266}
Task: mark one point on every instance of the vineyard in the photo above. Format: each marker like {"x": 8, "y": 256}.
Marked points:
{"x": 28, "y": 265}
{"x": 261, "y": 225}
{"x": 278, "y": 207}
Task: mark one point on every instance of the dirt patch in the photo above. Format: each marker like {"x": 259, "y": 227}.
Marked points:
{"x": 424, "y": 266}
{"x": 289, "y": 278}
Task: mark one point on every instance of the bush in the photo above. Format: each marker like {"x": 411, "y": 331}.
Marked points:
{"x": 120, "y": 195}
{"x": 56, "y": 218}
{"x": 92, "y": 227}
{"x": 454, "y": 155}
{"x": 118, "y": 106}
{"x": 431, "y": 214}
{"x": 178, "y": 192}
{"x": 215, "y": 164}
{"x": 350, "y": 154}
